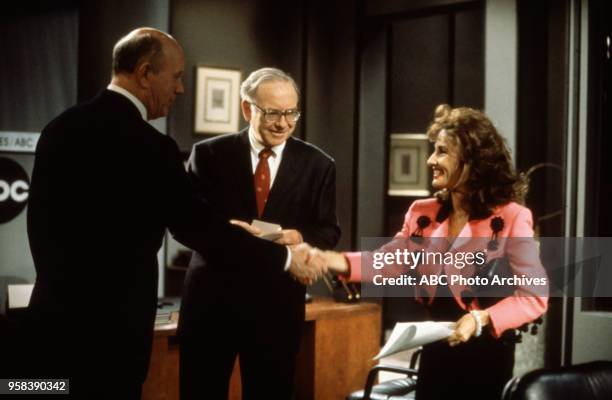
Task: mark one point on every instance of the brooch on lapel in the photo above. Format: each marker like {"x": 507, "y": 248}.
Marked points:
{"x": 497, "y": 225}
{"x": 516, "y": 335}
{"x": 422, "y": 222}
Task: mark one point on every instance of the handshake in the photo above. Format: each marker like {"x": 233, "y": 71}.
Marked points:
{"x": 308, "y": 264}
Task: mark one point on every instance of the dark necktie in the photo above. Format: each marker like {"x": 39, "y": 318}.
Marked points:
{"x": 261, "y": 179}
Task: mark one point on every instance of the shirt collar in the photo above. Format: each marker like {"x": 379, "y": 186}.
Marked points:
{"x": 139, "y": 105}
{"x": 257, "y": 147}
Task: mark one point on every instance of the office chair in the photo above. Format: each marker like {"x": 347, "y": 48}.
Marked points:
{"x": 395, "y": 389}
{"x": 581, "y": 381}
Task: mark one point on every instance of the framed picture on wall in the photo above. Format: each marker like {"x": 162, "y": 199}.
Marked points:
{"x": 408, "y": 172}
{"x": 217, "y": 100}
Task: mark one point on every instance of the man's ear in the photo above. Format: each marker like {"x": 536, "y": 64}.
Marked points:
{"x": 142, "y": 74}
{"x": 247, "y": 112}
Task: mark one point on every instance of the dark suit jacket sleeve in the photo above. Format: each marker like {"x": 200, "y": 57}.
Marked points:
{"x": 324, "y": 231}
{"x": 196, "y": 167}
{"x": 193, "y": 222}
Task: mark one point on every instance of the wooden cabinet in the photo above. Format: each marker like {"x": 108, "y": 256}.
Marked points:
{"x": 163, "y": 379}
{"x": 337, "y": 349}
{"x": 334, "y": 359}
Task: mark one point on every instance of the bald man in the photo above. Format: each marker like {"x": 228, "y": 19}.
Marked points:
{"x": 105, "y": 186}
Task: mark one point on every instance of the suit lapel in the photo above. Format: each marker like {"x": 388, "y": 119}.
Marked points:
{"x": 284, "y": 181}
{"x": 463, "y": 239}
{"x": 244, "y": 170}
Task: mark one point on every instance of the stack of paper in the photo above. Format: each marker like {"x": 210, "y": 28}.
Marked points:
{"x": 408, "y": 335}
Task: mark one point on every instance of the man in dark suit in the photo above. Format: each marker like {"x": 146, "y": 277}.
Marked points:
{"x": 105, "y": 186}
{"x": 260, "y": 173}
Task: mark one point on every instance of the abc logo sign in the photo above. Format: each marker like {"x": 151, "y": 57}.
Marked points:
{"x": 14, "y": 189}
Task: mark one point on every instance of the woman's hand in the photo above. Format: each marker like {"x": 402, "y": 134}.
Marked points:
{"x": 336, "y": 262}
{"x": 466, "y": 327}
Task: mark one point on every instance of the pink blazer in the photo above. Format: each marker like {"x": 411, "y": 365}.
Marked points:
{"x": 525, "y": 305}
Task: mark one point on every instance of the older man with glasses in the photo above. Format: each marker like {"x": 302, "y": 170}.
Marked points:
{"x": 260, "y": 173}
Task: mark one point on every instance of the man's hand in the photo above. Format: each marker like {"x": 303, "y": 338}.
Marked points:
{"x": 307, "y": 264}
{"x": 246, "y": 226}
{"x": 290, "y": 237}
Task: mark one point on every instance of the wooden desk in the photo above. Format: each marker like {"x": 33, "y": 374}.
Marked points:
{"x": 337, "y": 348}
{"x": 163, "y": 379}
{"x": 334, "y": 359}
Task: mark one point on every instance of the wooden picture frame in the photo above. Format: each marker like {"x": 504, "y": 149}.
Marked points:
{"x": 408, "y": 172}
{"x": 217, "y": 100}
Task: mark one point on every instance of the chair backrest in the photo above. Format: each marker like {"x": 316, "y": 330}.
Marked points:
{"x": 581, "y": 381}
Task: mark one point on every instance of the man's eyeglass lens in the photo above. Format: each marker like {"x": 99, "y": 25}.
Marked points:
{"x": 275, "y": 115}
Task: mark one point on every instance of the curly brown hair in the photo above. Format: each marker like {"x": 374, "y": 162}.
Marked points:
{"x": 492, "y": 180}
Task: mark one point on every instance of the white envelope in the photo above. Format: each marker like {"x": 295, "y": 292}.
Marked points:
{"x": 269, "y": 231}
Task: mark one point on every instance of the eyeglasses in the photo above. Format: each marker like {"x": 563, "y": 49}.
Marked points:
{"x": 292, "y": 115}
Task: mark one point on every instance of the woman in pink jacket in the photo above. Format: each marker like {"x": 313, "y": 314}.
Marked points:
{"x": 479, "y": 196}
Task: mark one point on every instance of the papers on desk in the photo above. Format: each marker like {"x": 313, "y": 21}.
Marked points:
{"x": 408, "y": 335}
{"x": 167, "y": 310}
{"x": 163, "y": 318}
{"x": 269, "y": 231}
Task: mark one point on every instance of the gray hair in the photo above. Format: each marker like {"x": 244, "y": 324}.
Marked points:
{"x": 252, "y": 82}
